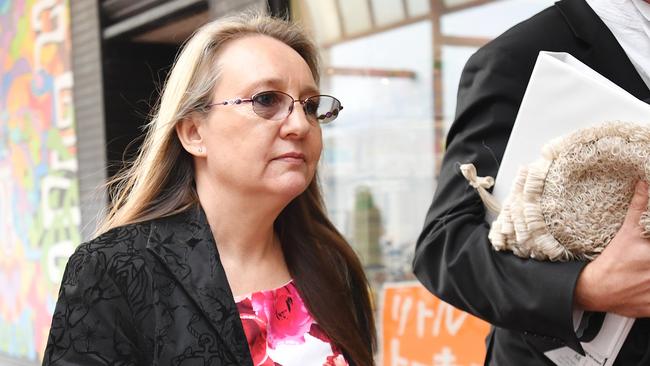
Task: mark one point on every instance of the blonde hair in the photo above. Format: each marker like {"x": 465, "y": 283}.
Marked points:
{"x": 160, "y": 182}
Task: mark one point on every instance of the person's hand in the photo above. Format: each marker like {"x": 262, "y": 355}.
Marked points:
{"x": 618, "y": 281}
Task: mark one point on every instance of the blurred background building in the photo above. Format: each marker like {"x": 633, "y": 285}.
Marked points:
{"x": 79, "y": 77}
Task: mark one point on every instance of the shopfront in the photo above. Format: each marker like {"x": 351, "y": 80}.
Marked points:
{"x": 79, "y": 77}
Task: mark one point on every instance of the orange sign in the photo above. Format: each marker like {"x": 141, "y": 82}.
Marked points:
{"x": 418, "y": 329}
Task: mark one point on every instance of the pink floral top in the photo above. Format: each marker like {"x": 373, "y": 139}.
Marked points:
{"x": 280, "y": 330}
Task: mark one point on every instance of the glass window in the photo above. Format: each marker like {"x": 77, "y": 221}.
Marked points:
{"x": 453, "y": 60}
{"x": 377, "y": 169}
{"x": 488, "y": 21}
{"x": 325, "y": 28}
{"x": 398, "y": 85}
{"x": 453, "y": 3}
{"x": 417, "y": 7}
{"x": 356, "y": 16}
{"x": 388, "y": 11}
{"x": 491, "y": 19}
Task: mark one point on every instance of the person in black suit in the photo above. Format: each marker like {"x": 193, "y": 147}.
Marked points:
{"x": 528, "y": 302}
{"x": 217, "y": 249}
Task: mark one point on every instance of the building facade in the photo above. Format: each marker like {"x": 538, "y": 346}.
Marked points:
{"x": 80, "y": 76}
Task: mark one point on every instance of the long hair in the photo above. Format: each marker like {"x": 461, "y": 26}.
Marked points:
{"x": 160, "y": 182}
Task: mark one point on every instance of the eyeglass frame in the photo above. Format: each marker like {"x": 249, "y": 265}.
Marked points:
{"x": 236, "y": 101}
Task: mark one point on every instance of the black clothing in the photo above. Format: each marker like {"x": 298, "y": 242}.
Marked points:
{"x": 528, "y": 302}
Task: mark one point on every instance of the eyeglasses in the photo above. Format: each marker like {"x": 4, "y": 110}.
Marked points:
{"x": 276, "y": 105}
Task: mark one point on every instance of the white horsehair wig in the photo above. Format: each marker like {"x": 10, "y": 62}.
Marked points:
{"x": 571, "y": 202}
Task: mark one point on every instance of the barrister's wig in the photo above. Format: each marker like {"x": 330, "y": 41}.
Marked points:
{"x": 571, "y": 202}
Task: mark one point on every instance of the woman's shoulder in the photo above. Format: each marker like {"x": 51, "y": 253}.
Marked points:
{"x": 127, "y": 238}
{"x": 129, "y": 243}
{"x": 118, "y": 245}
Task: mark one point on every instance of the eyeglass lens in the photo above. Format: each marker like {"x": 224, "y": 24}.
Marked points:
{"x": 275, "y": 105}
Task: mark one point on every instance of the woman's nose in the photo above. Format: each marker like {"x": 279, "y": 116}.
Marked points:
{"x": 296, "y": 124}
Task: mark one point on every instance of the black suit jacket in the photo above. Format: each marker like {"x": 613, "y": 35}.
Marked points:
{"x": 527, "y": 301}
{"x": 145, "y": 294}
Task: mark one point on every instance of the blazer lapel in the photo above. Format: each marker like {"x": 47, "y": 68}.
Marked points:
{"x": 603, "y": 48}
{"x": 185, "y": 245}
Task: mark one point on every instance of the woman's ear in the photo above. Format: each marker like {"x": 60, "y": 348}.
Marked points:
{"x": 189, "y": 133}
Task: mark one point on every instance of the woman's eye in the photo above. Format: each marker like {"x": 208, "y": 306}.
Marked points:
{"x": 266, "y": 100}
{"x": 311, "y": 107}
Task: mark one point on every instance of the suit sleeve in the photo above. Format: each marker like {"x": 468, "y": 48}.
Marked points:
{"x": 454, "y": 258}
{"x": 92, "y": 322}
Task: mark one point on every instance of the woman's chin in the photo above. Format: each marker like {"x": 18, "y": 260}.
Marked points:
{"x": 290, "y": 188}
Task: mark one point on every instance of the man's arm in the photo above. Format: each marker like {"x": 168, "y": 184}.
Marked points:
{"x": 454, "y": 258}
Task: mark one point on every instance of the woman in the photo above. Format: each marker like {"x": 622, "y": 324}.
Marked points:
{"x": 216, "y": 249}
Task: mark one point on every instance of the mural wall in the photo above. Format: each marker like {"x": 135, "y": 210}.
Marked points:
{"x": 39, "y": 204}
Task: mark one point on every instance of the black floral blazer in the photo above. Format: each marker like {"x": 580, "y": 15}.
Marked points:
{"x": 153, "y": 293}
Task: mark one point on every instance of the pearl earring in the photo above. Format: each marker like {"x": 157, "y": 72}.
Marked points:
{"x": 200, "y": 149}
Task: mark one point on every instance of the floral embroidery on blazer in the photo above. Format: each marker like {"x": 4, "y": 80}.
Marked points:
{"x": 152, "y": 293}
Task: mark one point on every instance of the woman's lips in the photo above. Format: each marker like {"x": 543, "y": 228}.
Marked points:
{"x": 291, "y": 157}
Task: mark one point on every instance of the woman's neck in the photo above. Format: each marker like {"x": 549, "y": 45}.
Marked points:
{"x": 249, "y": 250}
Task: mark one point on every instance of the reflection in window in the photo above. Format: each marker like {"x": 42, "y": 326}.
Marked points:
{"x": 325, "y": 28}
{"x": 489, "y": 20}
{"x": 356, "y": 16}
{"x": 417, "y": 7}
{"x": 453, "y": 60}
{"x": 388, "y": 11}
{"x": 367, "y": 228}
{"x": 453, "y": 3}
{"x": 377, "y": 167}
{"x": 399, "y": 90}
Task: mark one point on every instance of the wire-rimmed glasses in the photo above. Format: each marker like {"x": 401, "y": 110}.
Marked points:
{"x": 276, "y": 105}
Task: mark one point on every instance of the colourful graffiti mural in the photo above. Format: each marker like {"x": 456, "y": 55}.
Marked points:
{"x": 39, "y": 199}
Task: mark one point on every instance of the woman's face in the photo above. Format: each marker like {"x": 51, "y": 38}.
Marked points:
{"x": 251, "y": 154}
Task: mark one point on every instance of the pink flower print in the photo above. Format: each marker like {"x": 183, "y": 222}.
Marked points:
{"x": 245, "y": 306}
{"x": 287, "y": 317}
{"x": 262, "y": 304}
{"x": 291, "y": 319}
{"x": 317, "y": 332}
{"x": 256, "y": 337}
{"x": 255, "y": 330}
{"x": 336, "y": 360}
